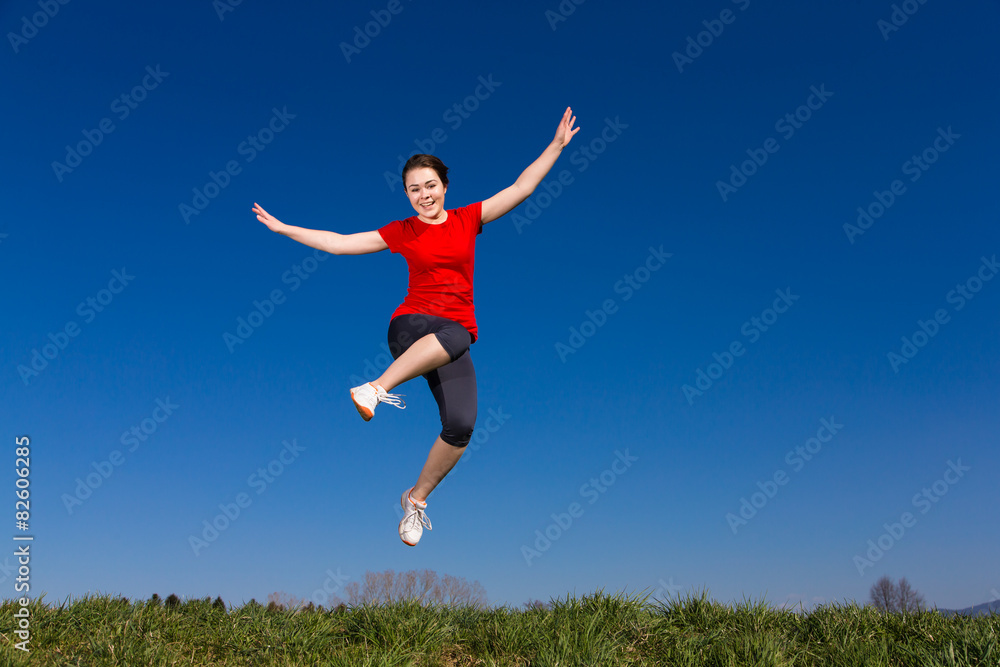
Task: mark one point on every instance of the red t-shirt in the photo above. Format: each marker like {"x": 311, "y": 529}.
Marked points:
{"x": 441, "y": 259}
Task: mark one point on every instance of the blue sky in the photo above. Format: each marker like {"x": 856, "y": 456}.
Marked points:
{"x": 742, "y": 416}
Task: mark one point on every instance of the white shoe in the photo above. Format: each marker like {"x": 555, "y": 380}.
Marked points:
{"x": 367, "y": 396}
{"x": 414, "y": 519}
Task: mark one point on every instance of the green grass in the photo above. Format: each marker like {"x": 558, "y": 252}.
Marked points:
{"x": 596, "y": 629}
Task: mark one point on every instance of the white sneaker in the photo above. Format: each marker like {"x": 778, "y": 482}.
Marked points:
{"x": 414, "y": 519}
{"x": 367, "y": 396}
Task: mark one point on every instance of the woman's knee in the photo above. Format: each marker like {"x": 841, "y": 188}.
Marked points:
{"x": 457, "y": 430}
{"x": 455, "y": 339}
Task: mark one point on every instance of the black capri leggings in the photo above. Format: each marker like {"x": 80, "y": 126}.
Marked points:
{"x": 454, "y": 384}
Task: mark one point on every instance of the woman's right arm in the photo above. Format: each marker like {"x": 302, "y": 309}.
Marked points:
{"x": 336, "y": 244}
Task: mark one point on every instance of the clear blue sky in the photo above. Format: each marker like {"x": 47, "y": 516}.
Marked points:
{"x": 264, "y": 104}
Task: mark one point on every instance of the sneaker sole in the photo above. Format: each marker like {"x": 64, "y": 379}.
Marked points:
{"x": 365, "y": 413}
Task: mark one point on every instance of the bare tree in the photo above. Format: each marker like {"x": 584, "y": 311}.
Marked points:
{"x": 282, "y": 600}
{"x": 423, "y": 586}
{"x": 884, "y": 595}
{"x": 456, "y": 591}
{"x": 910, "y": 601}
{"x": 352, "y": 593}
{"x": 537, "y": 604}
{"x": 897, "y": 597}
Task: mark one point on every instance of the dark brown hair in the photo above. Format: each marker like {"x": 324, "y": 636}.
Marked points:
{"x": 421, "y": 160}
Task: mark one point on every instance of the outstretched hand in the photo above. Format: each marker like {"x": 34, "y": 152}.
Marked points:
{"x": 565, "y": 131}
{"x": 272, "y": 222}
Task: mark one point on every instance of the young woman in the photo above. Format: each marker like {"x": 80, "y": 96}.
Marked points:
{"x": 431, "y": 331}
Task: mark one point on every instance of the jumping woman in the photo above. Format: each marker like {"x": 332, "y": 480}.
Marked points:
{"x": 431, "y": 331}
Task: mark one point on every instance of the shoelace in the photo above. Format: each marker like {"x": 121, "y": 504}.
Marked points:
{"x": 391, "y": 399}
{"x": 420, "y": 516}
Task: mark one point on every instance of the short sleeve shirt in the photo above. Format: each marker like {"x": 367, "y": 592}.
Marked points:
{"x": 441, "y": 260}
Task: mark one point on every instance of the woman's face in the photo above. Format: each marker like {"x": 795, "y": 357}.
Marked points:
{"x": 426, "y": 193}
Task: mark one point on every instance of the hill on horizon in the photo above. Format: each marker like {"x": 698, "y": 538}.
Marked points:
{"x": 984, "y": 609}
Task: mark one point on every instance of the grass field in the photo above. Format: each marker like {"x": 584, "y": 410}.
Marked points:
{"x": 596, "y": 629}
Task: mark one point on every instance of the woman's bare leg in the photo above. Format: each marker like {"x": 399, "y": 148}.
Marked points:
{"x": 422, "y": 357}
{"x": 440, "y": 461}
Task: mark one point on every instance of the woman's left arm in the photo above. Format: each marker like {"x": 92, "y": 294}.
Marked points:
{"x": 507, "y": 199}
